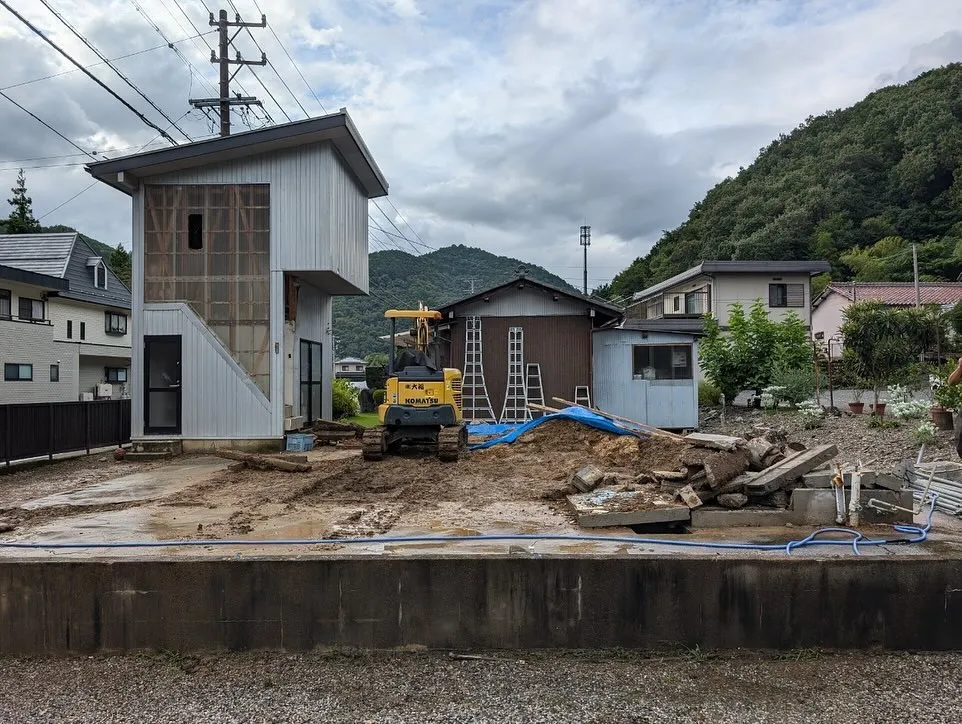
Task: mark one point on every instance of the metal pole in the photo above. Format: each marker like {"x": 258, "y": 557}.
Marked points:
{"x": 915, "y": 266}
{"x": 831, "y": 386}
{"x": 224, "y": 74}
{"x": 585, "y": 242}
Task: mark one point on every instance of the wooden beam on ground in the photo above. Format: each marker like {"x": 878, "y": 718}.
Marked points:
{"x": 640, "y": 425}
{"x": 264, "y": 462}
{"x": 790, "y": 468}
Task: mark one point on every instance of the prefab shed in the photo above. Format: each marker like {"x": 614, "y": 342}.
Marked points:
{"x": 521, "y": 341}
{"x": 647, "y": 373}
{"x": 239, "y": 244}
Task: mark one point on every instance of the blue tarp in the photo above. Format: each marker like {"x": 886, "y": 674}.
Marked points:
{"x": 578, "y": 414}
{"x": 489, "y": 428}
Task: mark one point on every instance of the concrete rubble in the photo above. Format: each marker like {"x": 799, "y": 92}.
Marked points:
{"x": 724, "y": 481}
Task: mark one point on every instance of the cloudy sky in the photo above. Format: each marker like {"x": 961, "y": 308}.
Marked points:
{"x": 503, "y": 124}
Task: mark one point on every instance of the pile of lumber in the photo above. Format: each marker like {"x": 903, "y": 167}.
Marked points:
{"x": 331, "y": 432}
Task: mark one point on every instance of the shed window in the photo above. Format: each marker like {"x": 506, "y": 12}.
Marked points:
{"x": 5, "y": 310}
{"x": 786, "y": 295}
{"x": 17, "y": 373}
{"x": 195, "y": 231}
{"x": 662, "y": 362}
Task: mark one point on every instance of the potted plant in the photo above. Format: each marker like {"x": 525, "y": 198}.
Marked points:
{"x": 857, "y": 406}
{"x": 946, "y": 398}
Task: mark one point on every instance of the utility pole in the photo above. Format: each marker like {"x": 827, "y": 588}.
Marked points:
{"x": 224, "y": 102}
{"x": 915, "y": 267}
{"x": 471, "y": 282}
{"x": 585, "y": 243}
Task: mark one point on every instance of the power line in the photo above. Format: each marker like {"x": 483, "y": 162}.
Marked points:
{"x": 44, "y": 123}
{"x": 92, "y": 65}
{"x": 94, "y": 78}
{"x": 114, "y": 68}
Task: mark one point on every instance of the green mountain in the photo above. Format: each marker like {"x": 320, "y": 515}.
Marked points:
{"x": 399, "y": 280}
{"x": 855, "y": 187}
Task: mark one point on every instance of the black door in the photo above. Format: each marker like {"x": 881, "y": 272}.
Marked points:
{"x": 162, "y": 398}
{"x": 310, "y": 381}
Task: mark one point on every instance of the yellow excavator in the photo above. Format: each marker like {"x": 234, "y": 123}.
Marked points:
{"x": 422, "y": 403}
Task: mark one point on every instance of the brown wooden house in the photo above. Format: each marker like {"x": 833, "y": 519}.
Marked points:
{"x": 522, "y": 340}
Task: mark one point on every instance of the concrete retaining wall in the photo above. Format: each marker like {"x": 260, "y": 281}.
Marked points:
{"x": 719, "y": 603}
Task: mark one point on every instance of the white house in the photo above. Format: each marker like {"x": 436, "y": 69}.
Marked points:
{"x": 239, "y": 245}
{"x": 64, "y": 321}
{"x": 350, "y": 368}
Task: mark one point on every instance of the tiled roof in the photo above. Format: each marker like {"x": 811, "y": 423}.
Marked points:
{"x": 899, "y": 294}
{"x": 37, "y": 253}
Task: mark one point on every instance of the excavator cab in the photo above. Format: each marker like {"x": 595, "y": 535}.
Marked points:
{"x": 422, "y": 402}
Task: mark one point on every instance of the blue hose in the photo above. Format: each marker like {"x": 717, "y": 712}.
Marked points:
{"x": 858, "y": 538}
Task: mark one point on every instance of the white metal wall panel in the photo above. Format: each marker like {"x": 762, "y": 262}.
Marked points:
{"x": 527, "y": 302}
{"x": 137, "y": 315}
{"x": 662, "y": 403}
{"x": 220, "y": 400}
{"x": 318, "y": 212}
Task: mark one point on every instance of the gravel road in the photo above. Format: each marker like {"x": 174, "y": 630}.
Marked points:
{"x": 611, "y": 687}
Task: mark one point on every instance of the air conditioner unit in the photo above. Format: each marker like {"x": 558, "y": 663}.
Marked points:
{"x": 86, "y": 396}
{"x": 105, "y": 391}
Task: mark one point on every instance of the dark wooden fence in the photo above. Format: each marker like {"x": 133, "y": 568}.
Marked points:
{"x": 46, "y": 428}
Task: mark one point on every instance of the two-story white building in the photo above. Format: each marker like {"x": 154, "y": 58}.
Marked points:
{"x": 714, "y": 286}
{"x": 64, "y": 332}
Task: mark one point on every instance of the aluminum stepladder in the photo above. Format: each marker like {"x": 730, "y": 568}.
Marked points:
{"x": 515, "y": 409}
{"x": 533, "y": 387}
{"x": 582, "y": 396}
{"x": 476, "y": 405}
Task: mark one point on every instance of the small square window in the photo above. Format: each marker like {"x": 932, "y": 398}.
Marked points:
{"x": 115, "y": 375}
{"x": 115, "y": 323}
{"x": 55, "y": 373}
{"x": 17, "y": 373}
{"x": 195, "y": 231}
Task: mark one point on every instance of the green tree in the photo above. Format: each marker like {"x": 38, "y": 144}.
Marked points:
{"x": 21, "y": 219}
{"x": 376, "y": 359}
{"x": 119, "y": 263}
{"x": 880, "y": 341}
{"x": 755, "y": 349}
{"x": 344, "y": 402}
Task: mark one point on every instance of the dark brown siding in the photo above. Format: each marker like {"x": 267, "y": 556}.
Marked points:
{"x": 561, "y": 345}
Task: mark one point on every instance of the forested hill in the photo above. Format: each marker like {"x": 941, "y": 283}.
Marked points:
{"x": 855, "y": 187}
{"x": 401, "y": 280}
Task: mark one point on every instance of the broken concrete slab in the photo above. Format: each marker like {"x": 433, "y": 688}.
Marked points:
{"x": 758, "y": 449}
{"x": 606, "y": 508}
{"x": 733, "y": 500}
{"x": 890, "y": 482}
{"x": 671, "y": 475}
{"x": 715, "y": 442}
{"x": 689, "y": 496}
{"x": 817, "y": 507}
{"x": 706, "y": 517}
{"x": 794, "y": 467}
{"x": 587, "y": 478}
{"x": 722, "y": 468}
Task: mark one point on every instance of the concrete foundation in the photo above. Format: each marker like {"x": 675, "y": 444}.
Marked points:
{"x": 748, "y": 517}
{"x": 480, "y": 602}
{"x": 265, "y": 445}
{"x": 817, "y": 507}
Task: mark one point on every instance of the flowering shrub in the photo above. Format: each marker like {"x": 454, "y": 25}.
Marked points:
{"x": 910, "y": 409}
{"x": 898, "y": 393}
{"x": 925, "y": 433}
{"x": 811, "y": 413}
{"x": 771, "y": 396}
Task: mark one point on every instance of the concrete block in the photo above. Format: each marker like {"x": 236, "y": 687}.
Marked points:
{"x": 889, "y": 482}
{"x": 746, "y": 517}
{"x": 689, "y": 496}
{"x": 733, "y": 500}
{"x": 605, "y": 508}
{"x": 817, "y": 507}
{"x": 587, "y": 478}
{"x": 823, "y": 479}
{"x": 775, "y": 477}
{"x": 759, "y": 448}
{"x": 715, "y": 442}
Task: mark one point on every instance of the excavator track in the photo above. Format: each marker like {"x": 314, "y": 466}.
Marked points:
{"x": 452, "y": 441}
{"x": 373, "y": 443}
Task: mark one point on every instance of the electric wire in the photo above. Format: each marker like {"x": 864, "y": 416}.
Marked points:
{"x": 115, "y": 69}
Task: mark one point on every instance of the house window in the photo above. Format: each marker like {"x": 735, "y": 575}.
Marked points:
{"x": 55, "y": 373}
{"x": 31, "y": 310}
{"x": 69, "y": 329}
{"x": 100, "y": 275}
{"x": 676, "y": 304}
{"x": 17, "y": 373}
{"x": 83, "y": 330}
{"x": 115, "y": 323}
{"x": 115, "y": 375}
{"x": 662, "y": 362}
{"x": 358, "y": 368}
{"x": 786, "y": 295}
{"x": 5, "y": 308}
{"x": 195, "y": 231}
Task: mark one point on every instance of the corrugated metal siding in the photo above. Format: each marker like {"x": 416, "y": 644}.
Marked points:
{"x": 313, "y": 321}
{"x": 219, "y": 399}
{"x": 528, "y": 302}
{"x": 561, "y": 345}
{"x": 665, "y": 404}
{"x": 137, "y": 315}
{"x": 316, "y": 218}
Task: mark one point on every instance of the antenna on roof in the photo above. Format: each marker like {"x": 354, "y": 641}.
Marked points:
{"x": 585, "y": 242}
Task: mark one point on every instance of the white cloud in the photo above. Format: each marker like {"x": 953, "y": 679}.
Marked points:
{"x": 505, "y": 124}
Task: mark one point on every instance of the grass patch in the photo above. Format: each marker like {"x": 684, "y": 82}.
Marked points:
{"x": 365, "y": 419}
